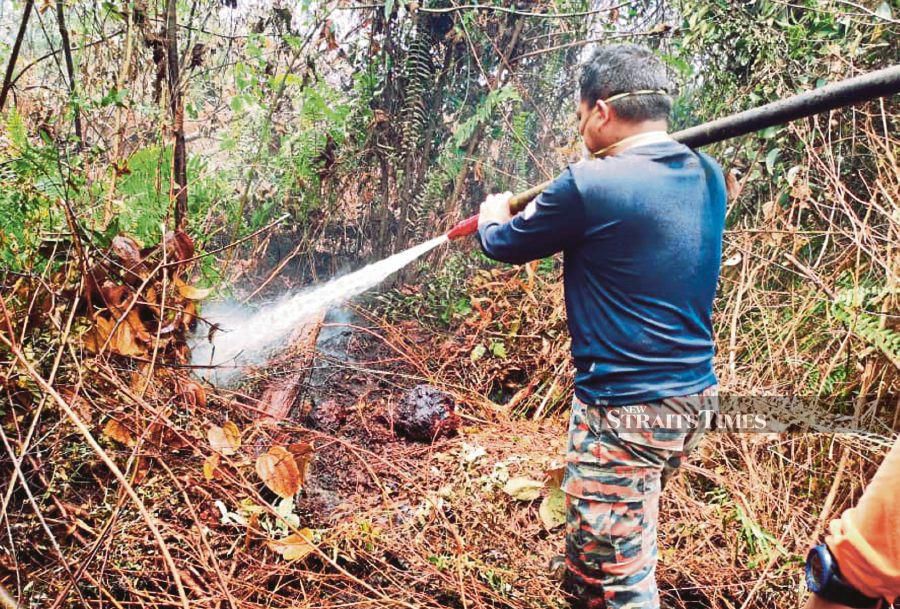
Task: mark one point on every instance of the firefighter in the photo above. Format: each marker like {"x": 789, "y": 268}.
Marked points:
{"x": 640, "y": 226}
{"x": 859, "y": 564}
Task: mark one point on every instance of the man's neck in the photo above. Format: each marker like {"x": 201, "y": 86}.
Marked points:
{"x": 635, "y": 134}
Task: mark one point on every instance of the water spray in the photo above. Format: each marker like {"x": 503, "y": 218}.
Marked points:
{"x": 880, "y": 83}
{"x": 234, "y": 337}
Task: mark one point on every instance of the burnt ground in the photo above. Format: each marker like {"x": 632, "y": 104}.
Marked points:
{"x": 429, "y": 523}
{"x": 393, "y": 522}
{"x": 438, "y": 524}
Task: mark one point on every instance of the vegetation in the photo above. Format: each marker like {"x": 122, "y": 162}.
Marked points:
{"x": 156, "y": 154}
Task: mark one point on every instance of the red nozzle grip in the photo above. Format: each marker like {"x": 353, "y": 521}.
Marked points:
{"x": 467, "y": 227}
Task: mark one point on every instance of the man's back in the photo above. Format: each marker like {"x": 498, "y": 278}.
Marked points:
{"x": 642, "y": 233}
{"x": 641, "y": 282}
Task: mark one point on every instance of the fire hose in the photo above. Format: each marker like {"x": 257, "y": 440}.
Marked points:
{"x": 880, "y": 83}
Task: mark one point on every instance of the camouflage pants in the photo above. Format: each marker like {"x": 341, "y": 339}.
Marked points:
{"x": 617, "y": 462}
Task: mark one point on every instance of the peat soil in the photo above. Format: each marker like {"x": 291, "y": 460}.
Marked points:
{"x": 426, "y": 523}
{"x": 437, "y": 528}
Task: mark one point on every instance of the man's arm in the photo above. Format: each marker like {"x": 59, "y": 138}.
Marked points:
{"x": 864, "y": 540}
{"x": 550, "y": 223}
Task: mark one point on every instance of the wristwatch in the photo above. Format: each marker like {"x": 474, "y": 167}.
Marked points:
{"x": 825, "y": 581}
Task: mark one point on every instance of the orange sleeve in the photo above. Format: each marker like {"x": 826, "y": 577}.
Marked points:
{"x": 865, "y": 540}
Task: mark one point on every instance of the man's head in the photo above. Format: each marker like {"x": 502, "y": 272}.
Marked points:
{"x": 614, "y": 70}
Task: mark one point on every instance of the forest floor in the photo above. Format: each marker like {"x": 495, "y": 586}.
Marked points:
{"x": 370, "y": 519}
{"x": 435, "y": 524}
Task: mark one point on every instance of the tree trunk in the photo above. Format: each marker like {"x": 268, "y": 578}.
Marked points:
{"x": 14, "y": 55}
{"x": 179, "y": 185}
{"x": 70, "y": 68}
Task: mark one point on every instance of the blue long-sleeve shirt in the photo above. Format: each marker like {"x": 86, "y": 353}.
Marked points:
{"x": 641, "y": 236}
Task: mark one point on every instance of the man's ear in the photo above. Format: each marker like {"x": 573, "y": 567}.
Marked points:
{"x": 604, "y": 113}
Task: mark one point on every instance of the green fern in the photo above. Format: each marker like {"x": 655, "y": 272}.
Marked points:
{"x": 483, "y": 113}
{"x": 419, "y": 75}
{"x": 439, "y": 178}
{"x": 850, "y": 307}
{"x": 30, "y": 188}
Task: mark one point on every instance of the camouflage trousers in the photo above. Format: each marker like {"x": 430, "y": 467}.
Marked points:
{"x": 617, "y": 462}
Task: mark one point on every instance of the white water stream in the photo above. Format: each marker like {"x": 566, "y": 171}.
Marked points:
{"x": 246, "y": 337}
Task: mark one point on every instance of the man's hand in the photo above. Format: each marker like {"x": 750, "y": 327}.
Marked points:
{"x": 495, "y": 209}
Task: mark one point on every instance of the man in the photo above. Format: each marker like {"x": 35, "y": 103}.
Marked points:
{"x": 640, "y": 225}
{"x": 858, "y": 566}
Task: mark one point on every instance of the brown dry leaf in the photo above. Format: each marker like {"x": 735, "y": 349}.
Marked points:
{"x": 141, "y": 469}
{"x": 166, "y": 438}
{"x": 554, "y": 476}
{"x": 114, "y": 295}
{"x": 134, "y": 320}
{"x": 210, "y": 465}
{"x": 303, "y": 455}
{"x": 127, "y": 250}
{"x": 189, "y": 314}
{"x": 295, "y": 546}
{"x": 96, "y": 336}
{"x": 278, "y": 470}
{"x": 118, "y": 432}
{"x": 732, "y": 186}
{"x": 194, "y": 394}
{"x": 122, "y": 342}
{"x": 179, "y": 246}
{"x": 78, "y": 403}
{"x": 225, "y": 439}
{"x": 191, "y": 292}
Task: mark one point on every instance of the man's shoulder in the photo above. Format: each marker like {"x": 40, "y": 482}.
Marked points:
{"x": 590, "y": 174}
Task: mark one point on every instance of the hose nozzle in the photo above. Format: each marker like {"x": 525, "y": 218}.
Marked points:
{"x": 467, "y": 227}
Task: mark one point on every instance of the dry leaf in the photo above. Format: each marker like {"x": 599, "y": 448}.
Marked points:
{"x": 295, "y": 546}
{"x": 118, "y": 432}
{"x": 127, "y": 250}
{"x": 555, "y": 476}
{"x": 194, "y": 394}
{"x": 225, "y": 439}
{"x": 79, "y": 404}
{"x": 191, "y": 292}
{"x": 553, "y": 509}
{"x": 278, "y": 470}
{"x": 122, "y": 342}
{"x": 303, "y": 455}
{"x": 179, "y": 247}
{"x": 523, "y": 489}
{"x": 210, "y": 465}
{"x": 732, "y": 186}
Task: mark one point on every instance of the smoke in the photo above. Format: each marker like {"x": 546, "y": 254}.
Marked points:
{"x": 245, "y": 337}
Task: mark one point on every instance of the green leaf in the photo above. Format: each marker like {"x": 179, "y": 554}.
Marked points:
{"x": 884, "y": 11}
{"x": 114, "y": 96}
{"x": 477, "y": 353}
{"x": 771, "y": 158}
{"x": 553, "y": 509}
{"x": 498, "y": 349}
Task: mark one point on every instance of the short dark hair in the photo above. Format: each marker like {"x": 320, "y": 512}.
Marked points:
{"x": 620, "y": 68}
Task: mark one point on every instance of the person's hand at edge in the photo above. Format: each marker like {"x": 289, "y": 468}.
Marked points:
{"x": 495, "y": 209}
